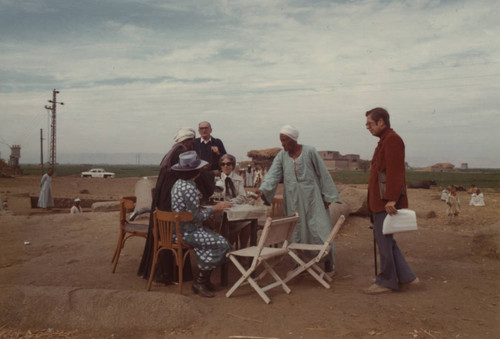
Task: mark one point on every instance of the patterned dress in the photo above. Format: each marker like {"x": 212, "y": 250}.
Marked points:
{"x": 210, "y": 247}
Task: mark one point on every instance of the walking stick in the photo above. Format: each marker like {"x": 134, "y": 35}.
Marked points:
{"x": 374, "y": 249}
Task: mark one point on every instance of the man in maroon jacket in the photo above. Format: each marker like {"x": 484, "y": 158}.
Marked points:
{"x": 387, "y": 194}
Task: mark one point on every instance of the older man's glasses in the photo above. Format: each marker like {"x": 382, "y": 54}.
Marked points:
{"x": 226, "y": 164}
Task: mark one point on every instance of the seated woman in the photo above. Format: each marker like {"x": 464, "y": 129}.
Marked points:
{"x": 210, "y": 248}
{"x": 234, "y": 192}
{"x": 477, "y": 198}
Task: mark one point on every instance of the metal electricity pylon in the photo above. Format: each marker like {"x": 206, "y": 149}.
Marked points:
{"x": 53, "y": 129}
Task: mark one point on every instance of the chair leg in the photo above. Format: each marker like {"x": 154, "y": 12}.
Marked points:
{"x": 116, "y": 257}
{"x": 117, "y": 246}
{"x": 244, "y": 276}
{"x": 153, "y": 269}
{"x": 180, "y": 266}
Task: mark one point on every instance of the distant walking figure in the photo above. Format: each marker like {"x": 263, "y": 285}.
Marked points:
{"x": 453, "y": 203}
{"x": 46, "y": 199}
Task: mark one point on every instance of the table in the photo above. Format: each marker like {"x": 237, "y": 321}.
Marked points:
{"x": 240, "y": 213}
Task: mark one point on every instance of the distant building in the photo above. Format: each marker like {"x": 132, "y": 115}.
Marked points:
{"x": 440, "y": 167}
{"x": 464, "y": 166}
{"x": 262, "y": 159}
{"x": 15, "y": 155}
{"x": 335, "y": 160}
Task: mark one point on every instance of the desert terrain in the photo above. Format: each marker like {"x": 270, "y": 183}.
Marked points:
{"x": 56, "y": 280}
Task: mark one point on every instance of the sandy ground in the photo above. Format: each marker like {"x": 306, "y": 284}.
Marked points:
{"x": 61, "y": 285}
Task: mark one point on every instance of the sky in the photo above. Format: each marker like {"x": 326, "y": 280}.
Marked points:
{"x": 131, "y": 73}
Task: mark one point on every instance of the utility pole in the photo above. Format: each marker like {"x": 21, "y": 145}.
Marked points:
{"x": 41, "y": 151}
{"x": 53, "y": 129}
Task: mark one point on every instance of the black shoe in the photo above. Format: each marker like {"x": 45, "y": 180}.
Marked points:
{"x": 201, "y": 284}
{"x": 328, "y": 266}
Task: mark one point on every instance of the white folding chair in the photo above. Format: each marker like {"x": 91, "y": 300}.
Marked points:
{"x": 275, "y": 231}
{"x": 312, "y": 265}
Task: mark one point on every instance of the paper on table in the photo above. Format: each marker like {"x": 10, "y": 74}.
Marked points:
{"x": 404, "y": 220}
{"x": 241, "y": 212}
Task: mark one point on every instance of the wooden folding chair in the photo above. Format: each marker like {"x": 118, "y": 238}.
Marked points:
{"x": 277, "y": 209}
{"x": 275, "y": 231}
{"x": 127, "y": 229}
{"x": 163, "y": 231}
{"x": 312, "y": 265}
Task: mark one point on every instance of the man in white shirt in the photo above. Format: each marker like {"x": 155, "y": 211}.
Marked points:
{"x": 76, "y": 208}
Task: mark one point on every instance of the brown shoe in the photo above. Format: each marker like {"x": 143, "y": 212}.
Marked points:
{"x": 377, "y": 289}
{"x": 415, "y": 281}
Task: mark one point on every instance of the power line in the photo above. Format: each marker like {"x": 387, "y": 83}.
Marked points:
{"x": 53, "y": 128}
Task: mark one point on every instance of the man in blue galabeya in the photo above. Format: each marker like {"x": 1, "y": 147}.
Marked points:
{"x": 308, "y": 189}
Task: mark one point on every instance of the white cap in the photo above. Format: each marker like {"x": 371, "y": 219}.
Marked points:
{"x": 290, "y": 131}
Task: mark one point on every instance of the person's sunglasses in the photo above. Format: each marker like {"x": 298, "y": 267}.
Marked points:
{"x": 226, "y": 164}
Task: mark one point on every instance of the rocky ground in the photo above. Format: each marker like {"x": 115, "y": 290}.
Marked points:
{"x": 61, "y": 285}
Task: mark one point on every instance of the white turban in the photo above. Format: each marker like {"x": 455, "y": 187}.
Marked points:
{"x": 184, "y": 133}
{"x": 290, "y": 131}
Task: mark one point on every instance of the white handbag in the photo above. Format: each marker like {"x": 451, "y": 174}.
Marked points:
{"x": 404, "y": 220}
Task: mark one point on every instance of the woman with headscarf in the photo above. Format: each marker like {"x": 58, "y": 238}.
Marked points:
{"x": 308, "y": 189}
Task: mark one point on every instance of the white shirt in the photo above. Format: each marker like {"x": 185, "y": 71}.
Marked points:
{"x": 76, "y": 209}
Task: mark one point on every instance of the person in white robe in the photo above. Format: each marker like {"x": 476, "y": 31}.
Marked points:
{"x": 76, "y": 208}
{"x": 308, "y": 189}
{"x": 444, "y": 194}
{"x": 477, "y": 198}
{"x": 46, "y": 200}
{"x": 249, "y": 176}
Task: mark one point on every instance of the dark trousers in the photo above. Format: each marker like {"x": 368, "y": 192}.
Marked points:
{"x": 393, "y": 267}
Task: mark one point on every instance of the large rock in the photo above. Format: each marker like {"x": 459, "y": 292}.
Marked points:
{"x": 486, "y": 242}
{"x": 356, "y": 199}
{"x": 106, "y": 206}
{"x": 96, "y": 309}
{"x": 336, "y": 210}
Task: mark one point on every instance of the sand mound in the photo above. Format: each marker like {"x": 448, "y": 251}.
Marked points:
{"x": 486, "y": 242}
{"x": 96, "y": 309}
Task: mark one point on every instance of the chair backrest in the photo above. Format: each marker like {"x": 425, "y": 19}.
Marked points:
{"x": 126, "y": 204}
{"x": 278, "y": 231}
{"x": 164, "y": 224}
{"x": 277, "y": 207}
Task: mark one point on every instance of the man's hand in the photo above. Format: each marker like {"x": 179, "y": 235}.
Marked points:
{"x": 258, "y": 194}
{"x": 215, "y": 149}
{"x": 390, "y": 208}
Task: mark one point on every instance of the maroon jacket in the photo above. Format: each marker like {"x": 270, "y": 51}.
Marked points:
{"x": 388, "y": 158}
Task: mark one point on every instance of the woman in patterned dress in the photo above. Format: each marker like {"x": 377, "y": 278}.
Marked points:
{"x": 210, "y": 248}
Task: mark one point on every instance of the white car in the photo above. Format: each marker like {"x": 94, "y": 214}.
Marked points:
{"x": 98, "y": 173}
